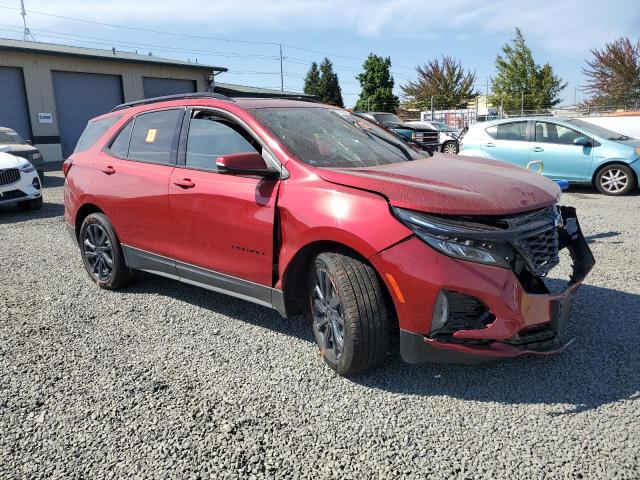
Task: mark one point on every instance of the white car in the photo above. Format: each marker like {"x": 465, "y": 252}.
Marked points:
{"x": 19, "y": 183}
{"x": 448, "y": 136}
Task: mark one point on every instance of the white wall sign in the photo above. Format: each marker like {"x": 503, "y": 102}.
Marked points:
{"x": 45, "y": 118}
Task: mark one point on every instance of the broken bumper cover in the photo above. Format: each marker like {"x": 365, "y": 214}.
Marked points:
{"x": 522, "y": 322}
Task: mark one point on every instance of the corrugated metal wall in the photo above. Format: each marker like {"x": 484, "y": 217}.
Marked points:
{"x": 158, "y": 87}
{"x": 13, "y": 102}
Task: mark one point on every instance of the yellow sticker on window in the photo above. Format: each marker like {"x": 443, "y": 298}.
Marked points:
{"x": 151, "y": 135}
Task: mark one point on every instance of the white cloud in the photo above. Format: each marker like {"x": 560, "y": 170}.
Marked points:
{"x": 561, "y": 26}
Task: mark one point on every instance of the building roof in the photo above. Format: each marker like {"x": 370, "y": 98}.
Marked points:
{"x": 111, "y": 55}
{"x": 233, "y": 90}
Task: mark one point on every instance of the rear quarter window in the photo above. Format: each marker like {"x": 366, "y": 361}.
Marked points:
{"x": 94, "y": 130}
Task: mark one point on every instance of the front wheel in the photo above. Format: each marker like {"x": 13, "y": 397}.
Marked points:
{"x": 450, "y": 148}
{"x": 101, "y": 253}
{"x": 350, "y": 313}
{"x": 615, "y": 180}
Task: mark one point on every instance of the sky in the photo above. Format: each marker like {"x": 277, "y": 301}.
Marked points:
{"x": 244, "y": 35}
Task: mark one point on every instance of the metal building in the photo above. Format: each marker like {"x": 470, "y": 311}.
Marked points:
{"x": 49, "y": 91}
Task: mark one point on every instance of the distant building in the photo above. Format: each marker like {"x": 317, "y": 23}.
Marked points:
{"x": 48, "y": 92}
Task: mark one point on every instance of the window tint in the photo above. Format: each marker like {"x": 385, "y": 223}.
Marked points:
{"x": 152, "y": 136}
{"x": 120, "y": 146}
{"x": 210, "y": 138}
{"x": 553, "y": 133}
{"x": 511, "y": 131}
{"x": 93, "y": 131}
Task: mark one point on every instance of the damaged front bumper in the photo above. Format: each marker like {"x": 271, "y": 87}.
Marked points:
{"x": 520, "y": 315}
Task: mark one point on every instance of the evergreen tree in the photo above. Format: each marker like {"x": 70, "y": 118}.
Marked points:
{"x": 376, "y": 84}
{"x": 522, "y": 84}
{"x": 446, "y": 82}
{"x": 312, "y": 81}
{"x": 613, "y": 75}
{"x": 329, "y": 87}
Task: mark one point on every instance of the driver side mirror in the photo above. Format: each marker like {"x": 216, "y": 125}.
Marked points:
{"x": 245, "y": 163}
{"x": 583, "y": 141}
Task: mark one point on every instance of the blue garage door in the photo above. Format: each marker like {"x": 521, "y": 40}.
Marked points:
{"x": 13, "y": 102}
{"x": 79, "y": 98}
{"x": 159, "y": 87}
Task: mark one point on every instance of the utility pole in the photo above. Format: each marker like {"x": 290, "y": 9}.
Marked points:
{"x": 575, "y": 95}
{"x": 281, "y": 71}
{"x": 432, "y": 112}
{"x": 27, "y": 33}
{"x": 522, "y": 103}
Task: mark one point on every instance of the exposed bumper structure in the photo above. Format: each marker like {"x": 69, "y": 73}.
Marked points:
{"x": 516, "y": 313}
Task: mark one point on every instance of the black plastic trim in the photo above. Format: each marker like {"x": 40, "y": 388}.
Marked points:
{"x": 414, "y": 349}
{"x": 170, "y": 98}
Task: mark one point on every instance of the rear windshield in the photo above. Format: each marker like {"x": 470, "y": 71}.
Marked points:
{"x": 10, "y": 137}
{"x": 93, "y": 131}
{"x": 324, "y": 137}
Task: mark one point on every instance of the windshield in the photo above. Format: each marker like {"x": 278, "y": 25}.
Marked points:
{"x": 387, "y": 118}
{"x": 324, "y": 137}
{"x": 10, "y": 137}
{"x": 598, "y": 130}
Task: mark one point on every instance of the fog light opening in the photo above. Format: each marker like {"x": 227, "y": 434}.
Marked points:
{"x": 440, "y": 312}
{"x": 36, "y": 183}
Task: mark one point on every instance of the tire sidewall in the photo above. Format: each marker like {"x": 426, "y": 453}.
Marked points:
{"x": 100, "y": 219}
{"x": 449, "y": 143}
{"x": 616, "y": 166}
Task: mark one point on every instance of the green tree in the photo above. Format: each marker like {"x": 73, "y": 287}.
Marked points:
{"x": 520, "y": 83}
{"x": 613, "y": 74}
{"x": 445, "y": 81}
{"x": 329, "y": 87}
{"x": 376, "y": 84}
{"x": 312, "y": 81}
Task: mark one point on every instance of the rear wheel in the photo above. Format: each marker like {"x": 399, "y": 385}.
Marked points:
{"x": 102, "y": 254}
{"x": 450, "y": 147}
{"x": 350, "y": 314}
{"x": 615, "y": 180}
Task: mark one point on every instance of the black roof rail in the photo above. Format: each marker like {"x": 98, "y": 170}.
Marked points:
{"x": 169, "y": 98}
{"x": 296, "y": 98}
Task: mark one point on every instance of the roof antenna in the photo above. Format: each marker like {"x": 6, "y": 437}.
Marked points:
{"x": 26, "y": 33}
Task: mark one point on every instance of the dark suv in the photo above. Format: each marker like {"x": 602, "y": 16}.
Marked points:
{"x": 304, "y": 207}
{"x": 427, "y": 138}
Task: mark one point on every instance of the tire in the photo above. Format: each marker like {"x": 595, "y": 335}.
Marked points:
{"x": 450, "y": 148}
{"x": 98, "y": 245}
{"x": 615, "y": 180}
{"x": 357, "y": 310}
{"x": 35, "y": 204}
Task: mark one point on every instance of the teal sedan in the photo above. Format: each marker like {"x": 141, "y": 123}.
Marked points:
{"x": 561, "y": 149}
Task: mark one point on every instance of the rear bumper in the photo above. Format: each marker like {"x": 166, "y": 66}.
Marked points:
{"x": 523, "y": 322}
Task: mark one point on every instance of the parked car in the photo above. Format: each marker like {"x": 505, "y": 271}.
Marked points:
{"x": 411, "y": 143}
{"x": 13, "y": 143}
{"x": 19, "y": 182}
{"x": 448, "y": 136}
{"x": 569, "y": 149}
{"x": 298, "y": 207}
{"x": 426, "y": 137}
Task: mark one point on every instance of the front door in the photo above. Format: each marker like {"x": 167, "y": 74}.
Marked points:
{"x": 560, "y": 157}
{"x": 222, "y": 224}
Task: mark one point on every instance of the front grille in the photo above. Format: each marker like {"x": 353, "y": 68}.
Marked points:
{"x": 538, "y": 240}
{"x": 426, "y": 137}
{"x": 9, "y": 176}
{"x": 12, "y": 195}
{"x": 539, "y": 338}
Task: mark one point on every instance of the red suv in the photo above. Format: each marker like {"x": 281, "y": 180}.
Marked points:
{"x": 303, "y": 207}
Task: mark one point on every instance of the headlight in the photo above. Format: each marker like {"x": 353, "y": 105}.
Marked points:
{"x": 27, "y": 168}
{"x": 455, "y": 240}
{"x": 637, "y": 150}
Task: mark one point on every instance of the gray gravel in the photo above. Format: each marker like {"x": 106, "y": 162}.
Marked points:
{"x": 166, "y": 380}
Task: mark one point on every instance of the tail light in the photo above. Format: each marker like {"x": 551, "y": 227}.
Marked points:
{"x": 66, "y": 166}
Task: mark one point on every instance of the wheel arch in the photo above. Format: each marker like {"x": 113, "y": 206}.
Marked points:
{"x": 83, "y": 212}
{"x": 613, "y": 162}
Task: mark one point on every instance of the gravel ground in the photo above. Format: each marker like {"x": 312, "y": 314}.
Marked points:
{"x": 170, "y": 381}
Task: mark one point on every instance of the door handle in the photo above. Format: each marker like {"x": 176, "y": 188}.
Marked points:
{"x": 109, "y": 170}
{"x": 537, "y": 149}
{"x": 184, "y": 183}
{"x": 490, "y": 144}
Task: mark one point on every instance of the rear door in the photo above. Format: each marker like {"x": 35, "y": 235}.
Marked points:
{"x": 131, "y": 180}
{"x": 508, "y": 142}
{"x": 222, "y": 224}
{"x": 561, "y": 159}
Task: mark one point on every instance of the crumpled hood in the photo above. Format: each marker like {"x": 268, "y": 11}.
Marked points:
{"x": 452, "y": 184}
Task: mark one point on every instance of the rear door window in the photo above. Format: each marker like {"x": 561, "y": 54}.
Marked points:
{"x": 511, "y": 131}
{"x": 153, "y": 135}
{"x": 120, "y": 146}
{"x": 94, "y": 130}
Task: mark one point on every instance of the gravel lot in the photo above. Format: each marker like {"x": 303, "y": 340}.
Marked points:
{"x": 170, "y": 381}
